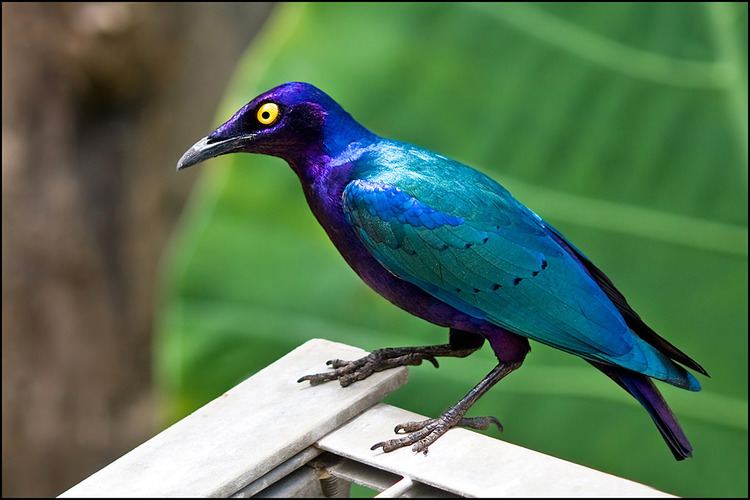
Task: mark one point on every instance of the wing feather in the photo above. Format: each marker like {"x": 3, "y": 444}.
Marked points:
{"x": 488, "y": 256}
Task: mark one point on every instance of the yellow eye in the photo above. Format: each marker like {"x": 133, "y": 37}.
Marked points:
{"x": 268, "y": 113}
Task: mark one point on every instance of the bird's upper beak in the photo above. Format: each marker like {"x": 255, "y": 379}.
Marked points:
{"x": 209, "y": 148}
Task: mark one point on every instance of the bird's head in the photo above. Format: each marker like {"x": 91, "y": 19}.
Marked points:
{"x": 292, "y": 121}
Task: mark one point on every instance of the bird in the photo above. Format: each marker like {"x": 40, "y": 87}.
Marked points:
{"x": 450, "y": 245}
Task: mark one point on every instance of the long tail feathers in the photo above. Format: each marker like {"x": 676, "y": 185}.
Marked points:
{"x": 643, "y": 389}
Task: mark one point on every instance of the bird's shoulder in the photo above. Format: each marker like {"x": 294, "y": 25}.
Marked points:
{"x": 405, "y": 197}
{"x": 392, "y": 173}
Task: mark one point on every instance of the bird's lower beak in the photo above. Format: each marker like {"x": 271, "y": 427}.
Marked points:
{"x": 209, "y": 148}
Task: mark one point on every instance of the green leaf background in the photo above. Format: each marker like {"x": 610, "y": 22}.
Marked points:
{"x": 625, "y": 125}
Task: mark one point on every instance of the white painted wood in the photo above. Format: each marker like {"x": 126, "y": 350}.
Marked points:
{"x": 277, "y": 473}
{"x": 358, "y": 473}
{"x": 375, "y": 479}
{"x": 471, "y": 464}
{"x": 264, "y": 428}
{"x": 302, "y": 483}
{"x": 244, "y": 433}
{"x": 397, "y": 489}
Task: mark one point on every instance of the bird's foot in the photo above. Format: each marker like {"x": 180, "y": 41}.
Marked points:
{"x": 424, "y": 433}
{"x": 348, "y": 372}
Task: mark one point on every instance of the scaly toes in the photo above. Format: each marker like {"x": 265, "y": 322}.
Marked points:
{"x": 337, "y": 363}
{"x": 317, "y": 378}
{"x": 348, "y": 372}
{"x": 423, "y": 433}
{"x": 480, "y": 423}
{"x": 356, "y": 375}
{"x": 421, "y": 439}
{"x": 394, "y": 444}
{"x": 340, "y": 369}
{"x": 423, "y": 444}
{"x": 412, "y": 426}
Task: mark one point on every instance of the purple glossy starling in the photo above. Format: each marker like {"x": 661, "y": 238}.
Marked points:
{"x": 450, "y": 245}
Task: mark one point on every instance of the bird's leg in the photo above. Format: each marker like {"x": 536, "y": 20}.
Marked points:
{"x": 510, "y": 350}
{"x": 461, "y": 344}
{"x": 423, "y": 434}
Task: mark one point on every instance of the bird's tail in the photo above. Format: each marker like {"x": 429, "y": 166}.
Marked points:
{"x": 643, "y": 389}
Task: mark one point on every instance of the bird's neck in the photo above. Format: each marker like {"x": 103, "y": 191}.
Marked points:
{"x": 337, "y": 137}
{"x": 324, "y": 176}
{"x": 323, "y": 162}
{"x": 324, "y": 173}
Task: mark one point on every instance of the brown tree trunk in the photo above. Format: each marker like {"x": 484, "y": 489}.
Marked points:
{"x": 99, "y": 101}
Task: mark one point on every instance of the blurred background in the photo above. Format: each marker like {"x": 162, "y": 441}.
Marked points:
{"x": 126, "y": 306}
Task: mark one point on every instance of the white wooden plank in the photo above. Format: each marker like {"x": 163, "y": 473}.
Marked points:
{"x": 302, "y": 483}
{"x": 397, "y": 490}
{"x": 357, "y": 473}
{"x": 279, "y": 472}
{"x": 375, "y": 479}
{"x": 244, "y": 433}
{"x": 470, "y": 464}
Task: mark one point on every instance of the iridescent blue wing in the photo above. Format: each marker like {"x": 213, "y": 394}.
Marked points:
{"x": 461, "y": 237}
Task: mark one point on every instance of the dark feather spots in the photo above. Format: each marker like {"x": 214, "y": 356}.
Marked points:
{"x": 444, "y": 246}
{"x": 476, "y": 290}
{"x": 516, "y": 281}
{"x": 458, "y": 290}
{"x": 468, "y": 245}
{"x": 534, "y": 273}
{"x": 495, "y": 286}
{"x": 544, "y": 264}
{"x": 485, "y": 240}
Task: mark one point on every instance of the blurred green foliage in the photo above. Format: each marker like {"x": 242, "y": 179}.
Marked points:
{"x": 625, "y": 125}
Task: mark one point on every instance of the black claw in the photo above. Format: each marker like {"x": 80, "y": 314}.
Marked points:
{"x": 314, "y": 379}
{"x": 497, "y": 423}
{"x": 480, "y": 423}
{"x": 337, "y": 363}
{"x": 433, "y": 361}
{"x": 400, "y": 429}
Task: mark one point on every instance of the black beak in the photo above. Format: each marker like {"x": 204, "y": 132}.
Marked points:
{"x": 209, "y": 148}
